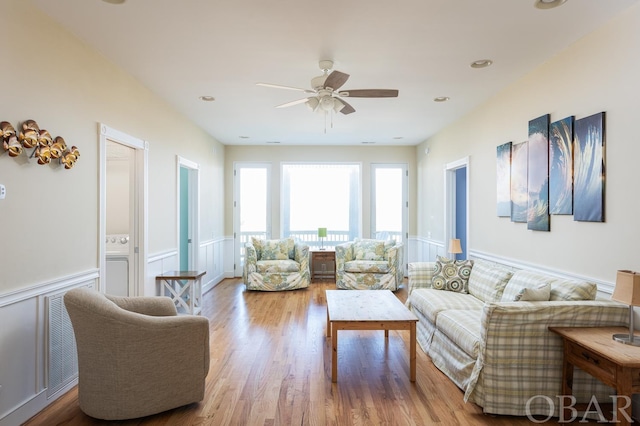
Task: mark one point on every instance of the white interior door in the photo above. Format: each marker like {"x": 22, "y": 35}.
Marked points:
{"x": 188, "y": 207}
{"x": 135, "y": 205}
{"x": 252, "y": 207}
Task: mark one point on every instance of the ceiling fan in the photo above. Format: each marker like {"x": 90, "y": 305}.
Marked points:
{"x": 325, "y": 93}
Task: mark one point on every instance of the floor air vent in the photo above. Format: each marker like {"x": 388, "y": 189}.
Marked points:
{"x": 62, "y": 356}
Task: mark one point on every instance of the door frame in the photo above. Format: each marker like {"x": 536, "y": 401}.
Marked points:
{"x": 193, "y": 209}
{"x": 450, "y": 200}
{"x": 139, "y": 235}
{"x": 405, "y": 200}
{"x": 237, "y": 266}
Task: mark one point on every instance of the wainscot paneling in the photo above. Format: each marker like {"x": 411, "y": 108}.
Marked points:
{"x": 24, "y": 347}
{"x": 211, "y": 259}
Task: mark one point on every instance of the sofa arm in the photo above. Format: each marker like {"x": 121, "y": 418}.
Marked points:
{"x": 344, "y": 253}
{"x": 520, "y": 357}
{"x": 395, "y": 259}
{"x": 157, "y": 306}
{"x": 420, "y": 275}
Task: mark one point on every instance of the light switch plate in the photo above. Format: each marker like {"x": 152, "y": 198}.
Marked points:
{"x": 3, "y": 192}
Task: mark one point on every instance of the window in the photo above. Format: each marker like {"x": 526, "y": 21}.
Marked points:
{"x": 321, "y": 196}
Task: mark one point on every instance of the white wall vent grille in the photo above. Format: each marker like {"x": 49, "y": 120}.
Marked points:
{"x": 62, "y": 356}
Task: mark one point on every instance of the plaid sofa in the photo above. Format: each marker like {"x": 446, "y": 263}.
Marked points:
{"x": 499, "y": 351}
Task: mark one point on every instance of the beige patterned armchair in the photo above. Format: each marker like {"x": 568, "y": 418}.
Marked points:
{"x": 365, "y": 264}
{"x": 274, "y": 265}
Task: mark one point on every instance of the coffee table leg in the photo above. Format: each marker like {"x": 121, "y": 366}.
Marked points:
{"x": 386, "y": 334}
{"x": 412, "y": 352}
{"x": 328, "y": 324}
{"x": 334, "y": 356}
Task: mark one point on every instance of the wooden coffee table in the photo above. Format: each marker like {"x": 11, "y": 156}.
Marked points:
{"x": 368, "y": 310}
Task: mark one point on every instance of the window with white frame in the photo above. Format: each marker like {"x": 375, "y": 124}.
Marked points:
{"x": 321, "y": 195}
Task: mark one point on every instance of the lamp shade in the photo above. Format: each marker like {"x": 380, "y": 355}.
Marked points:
{"x": 322, "y": 232}
{"x": 454, "y": 246}
{"x": 627, "y": 288}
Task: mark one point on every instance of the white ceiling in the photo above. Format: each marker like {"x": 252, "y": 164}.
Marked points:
{"x": 188, "y": 48}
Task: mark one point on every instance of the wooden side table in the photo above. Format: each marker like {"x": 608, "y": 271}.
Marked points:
{"x": 594, "y": 351}
{"x": 184, "y": 288}
{"x": 323, "y": 257}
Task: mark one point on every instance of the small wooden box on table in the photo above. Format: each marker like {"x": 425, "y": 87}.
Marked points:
{"x": 593, "y": 350}
{"x": 184, "y": 288}
{"x": 368, "y": 310}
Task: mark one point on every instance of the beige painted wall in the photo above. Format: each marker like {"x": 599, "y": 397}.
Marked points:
{"x": 598, "y": 73}
{"x": 276, "y": 155}
{"x": 49, "y": 220}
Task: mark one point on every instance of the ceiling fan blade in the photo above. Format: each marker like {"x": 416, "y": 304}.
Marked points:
{"x": 335, "y": 80}
{"x": 292, "y": 103}
{"x": 278, "y": 86}
{"x": 348, "y": 109}
{"x": 370, "y": 93}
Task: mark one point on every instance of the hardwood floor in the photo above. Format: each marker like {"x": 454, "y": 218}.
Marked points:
{"x": 271, "y": 365}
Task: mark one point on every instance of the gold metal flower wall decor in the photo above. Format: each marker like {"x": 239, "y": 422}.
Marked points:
{"x": 45, "y": 147}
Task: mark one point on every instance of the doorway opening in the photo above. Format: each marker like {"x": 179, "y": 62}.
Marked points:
{"x": 187, "y": 212}
{"x": 457, "y": 205}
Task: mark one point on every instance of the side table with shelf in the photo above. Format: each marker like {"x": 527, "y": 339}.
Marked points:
{"x": 593, "y": 350}
{"x": 184, "y": 288}
{"x": 322, "y": 258}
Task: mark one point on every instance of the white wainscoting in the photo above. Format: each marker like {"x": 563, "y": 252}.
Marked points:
{"x": 156, "y": 265}
{"x": 24, "y": 347}
{"x": 424, "y": 249}
{"x": 211, "y": 259}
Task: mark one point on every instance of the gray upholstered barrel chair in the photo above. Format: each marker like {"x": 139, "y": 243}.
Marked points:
{"x": 136, "y": 356}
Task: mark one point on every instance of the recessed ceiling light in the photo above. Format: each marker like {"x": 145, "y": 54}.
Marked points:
{"x": 441, "y": 99}
{"x": 548, "y": 4}
{"x": 114, "y": 1}
{"x": 368, "y": 142}
{"x": 481, "y": 63}
{"x": 207, "y": 98}
{"x": 398, "y": 137}
{"x": 273, "y": 141}
{"x": 243, "y": 137}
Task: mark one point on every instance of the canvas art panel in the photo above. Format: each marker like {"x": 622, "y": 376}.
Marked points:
{"x": 589, "y": 168}
{"x": 538, "y": 174}
{"x": 519, "y": 182}
{"x": 503, "y": 179}
{"x": 561, "y": 166}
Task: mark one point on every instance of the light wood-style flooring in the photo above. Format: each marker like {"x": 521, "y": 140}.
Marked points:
{"x": 271, "y": 365}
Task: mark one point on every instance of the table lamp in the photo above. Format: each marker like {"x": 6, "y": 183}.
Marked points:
{"x": 627, "y": 291}
{"x": 322, "y": 233}
{"x": 454, "y": 247}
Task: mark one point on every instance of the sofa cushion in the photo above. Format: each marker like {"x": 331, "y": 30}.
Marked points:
{"x": 430, "y": 302}
{"x": 372, "y": 266}
{"x": 274, "y": 266}
{"x": 487, "y": 282}
{"x": 524, "y": 279}
{"x": 562, "y": 289}
{"x": 451, "y": 275}
{"x": 463, "y": 328}
{"x": 277, "y": 249}
{"x": 365, "y": 249}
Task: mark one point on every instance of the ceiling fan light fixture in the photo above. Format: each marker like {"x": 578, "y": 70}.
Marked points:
{"x": 338, "y": 105}
{"x": 548, "y": 4}
{"x": 326, "y": 103}
{"x": 312, "y": 103}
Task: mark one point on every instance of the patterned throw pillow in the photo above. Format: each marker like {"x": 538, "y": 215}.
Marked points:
{"x": 451, "y": 275}
{"x": 365, "y": 249}
{"x": 277, "y": 249}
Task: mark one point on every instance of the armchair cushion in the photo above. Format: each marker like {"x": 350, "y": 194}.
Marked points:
{"x": 371, "y": 266}
{"x": 275, "y": 266}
